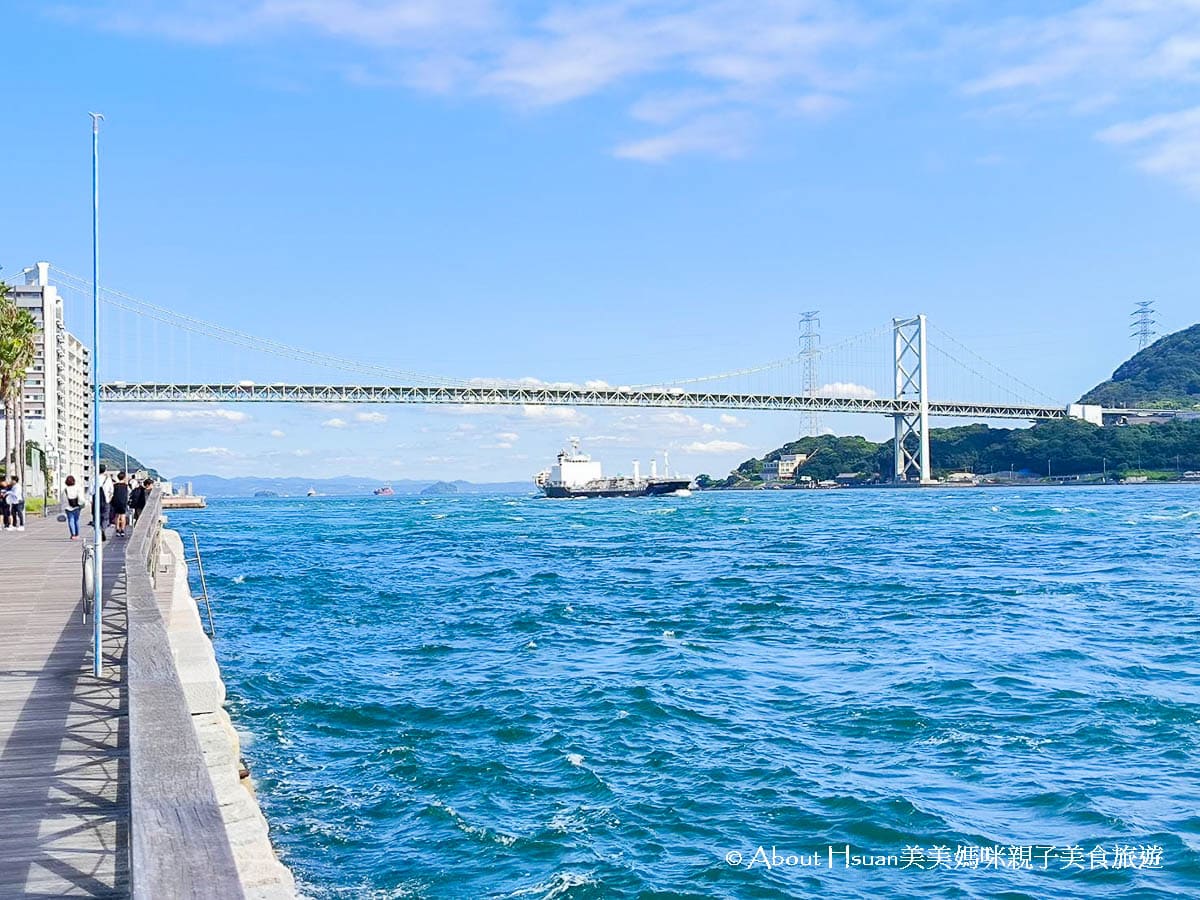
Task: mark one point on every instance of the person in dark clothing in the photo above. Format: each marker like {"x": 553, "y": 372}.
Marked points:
{"x": 137, "y": 498}
{"x": 119, "y": 504}
{"x": 105, "y": 487}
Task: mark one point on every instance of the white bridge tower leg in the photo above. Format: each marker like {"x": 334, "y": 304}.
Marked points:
{"x": 911, "y": 450}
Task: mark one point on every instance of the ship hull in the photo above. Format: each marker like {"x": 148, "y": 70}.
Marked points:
{"x": 649, "y": 489}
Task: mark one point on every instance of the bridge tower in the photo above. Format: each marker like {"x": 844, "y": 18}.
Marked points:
{"x": 911, "y": 450}
{"x": 810, "y": 352}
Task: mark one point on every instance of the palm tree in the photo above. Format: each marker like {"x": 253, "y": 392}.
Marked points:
{"x": 18, "y": 349}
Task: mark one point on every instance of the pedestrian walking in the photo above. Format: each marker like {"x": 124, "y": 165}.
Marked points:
{"x": 73, "y": 503}
{"x": 5, "y": 510}
{"x": 14, "y": 499}
{"x": 138, "y": 497}
{"x": 105, "y": 487}
{"x": 119, "y": 504}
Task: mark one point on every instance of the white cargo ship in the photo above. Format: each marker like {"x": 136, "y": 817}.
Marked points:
{"x": 576, "y": 474}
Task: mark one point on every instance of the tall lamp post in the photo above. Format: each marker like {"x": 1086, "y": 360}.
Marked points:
{"x": 98, "y": 525}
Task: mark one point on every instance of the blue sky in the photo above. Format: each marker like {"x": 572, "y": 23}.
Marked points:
{"x": 615, "y": 190}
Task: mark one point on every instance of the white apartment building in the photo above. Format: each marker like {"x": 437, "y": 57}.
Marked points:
{"x": 58, "y": 409}
{"x": 784, "y": 468}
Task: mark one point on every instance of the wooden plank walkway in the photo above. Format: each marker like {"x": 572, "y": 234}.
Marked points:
{"x": 64, "y": 759}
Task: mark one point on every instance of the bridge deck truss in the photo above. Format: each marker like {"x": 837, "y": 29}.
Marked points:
{"x": 120, "y": 392}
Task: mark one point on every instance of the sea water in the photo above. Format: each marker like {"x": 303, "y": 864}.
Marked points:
{"x": 853, "y": 693}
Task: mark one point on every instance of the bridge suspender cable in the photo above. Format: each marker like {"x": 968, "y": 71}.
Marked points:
{"x": 120, "y": 300}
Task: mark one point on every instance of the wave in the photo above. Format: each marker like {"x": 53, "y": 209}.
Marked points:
{"x": 560, "y": 884}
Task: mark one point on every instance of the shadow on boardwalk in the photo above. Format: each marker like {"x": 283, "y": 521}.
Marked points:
{"x": 64, "y": 781}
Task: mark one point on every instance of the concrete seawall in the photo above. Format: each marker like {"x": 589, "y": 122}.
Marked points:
{"x": 259, "y": 869}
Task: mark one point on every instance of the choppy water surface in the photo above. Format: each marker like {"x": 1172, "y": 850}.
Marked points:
{"x": 510, "y": 697}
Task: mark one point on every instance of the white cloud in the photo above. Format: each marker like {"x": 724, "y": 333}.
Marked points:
{"x": 530, "y": 381}
{"x": 846, "y": 389}
{"x": 706, "y": 76}
{"x": 374, "y": 418}
{"x": 1120, "y": 59}
{"x": 206, "y": 416}
{"x": 609, "y": 439}
{"x": 670, "y": 421}
{"x": 731, "y": 421}
{"x": 730, "y": 64}
{"x": 744, "y": 50}
{"x": 557, "y": 414}
{"x": 1091, "y": 48}
{"x": 1169, "y": 144}
{"x": 818, "y": 105}
{"x": 370, "y": 22}
{"x": 717, "y": 135}
{"x": 504, "y": 440}
{"x": 471, "y": 409}
{"x": 211, "y": 451}
{"x": 276, "y": 433}
{"x": 334, "y": 423}
{"x": 714, "y": 446}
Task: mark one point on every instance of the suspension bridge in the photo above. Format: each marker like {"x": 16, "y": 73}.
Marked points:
{"x": 887, "y": 371}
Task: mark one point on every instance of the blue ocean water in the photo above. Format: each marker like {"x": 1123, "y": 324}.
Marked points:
{"x": 501, "y": 696}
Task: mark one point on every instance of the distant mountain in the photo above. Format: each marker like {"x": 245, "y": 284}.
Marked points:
{"x": 1165, "y": 374}
{"x": 115, "y": 459}
{"x": 345, "y": 485}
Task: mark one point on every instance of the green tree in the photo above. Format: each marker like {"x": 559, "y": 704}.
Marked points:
{"x": 18, "y": 349}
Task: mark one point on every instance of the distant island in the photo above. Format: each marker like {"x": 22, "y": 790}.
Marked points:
{"x": 1165, "y": 375}
{"x": 337, "y": 486}
{"x": 440, "y": 487}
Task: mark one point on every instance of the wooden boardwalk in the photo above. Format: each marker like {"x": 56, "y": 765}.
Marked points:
{"x": 64, "y": 759}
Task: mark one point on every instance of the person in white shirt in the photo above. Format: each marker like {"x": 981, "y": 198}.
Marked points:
{"x": 106, "y": 489}
{"x": 15, "y": 498}
{"x": 73, "y": 506}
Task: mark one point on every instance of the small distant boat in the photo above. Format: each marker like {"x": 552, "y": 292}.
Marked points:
{"x": 577, "y": 475}
{"x": 312, "y": 492}
{"x": 385, "y": 491}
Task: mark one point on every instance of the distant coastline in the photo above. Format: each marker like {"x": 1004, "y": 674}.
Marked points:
{"x": 338, "y": 486}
